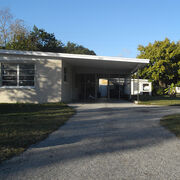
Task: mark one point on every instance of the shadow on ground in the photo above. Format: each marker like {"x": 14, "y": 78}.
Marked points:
{"x": 97, "y": 131}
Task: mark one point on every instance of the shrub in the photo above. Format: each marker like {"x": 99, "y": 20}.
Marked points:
{"x": 178, "y": 84}
{"x": 171, "y": 90}
{"x": 160, "y": 91}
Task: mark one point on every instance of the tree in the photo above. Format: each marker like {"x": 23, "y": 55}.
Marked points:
{"x": 23, "y": 42}
{"x": 5, "y": 20}
{"x": 17, "y": 28}
{"x": 45, "y": 41}
{"x": 164, "y": 66}
{"x": 77, "y": 49}
{"x": 15, "y": 35}
{"x": 11, "y": 31}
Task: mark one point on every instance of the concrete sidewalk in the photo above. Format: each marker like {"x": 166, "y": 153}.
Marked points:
{"x": 103, "y": 141}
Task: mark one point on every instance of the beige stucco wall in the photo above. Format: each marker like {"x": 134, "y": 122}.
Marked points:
{"x": 67, "y": 85}
{"x": 48, "y": 78}
{"x": 69, "y": 88}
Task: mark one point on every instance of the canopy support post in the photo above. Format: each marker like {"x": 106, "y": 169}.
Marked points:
{"x": 119, "y": 89}
{"x": 108, "y": 88}
{"x": 138, "y": 85}
{"x": 85, "y": 87}
{"x": 95, "y": 96}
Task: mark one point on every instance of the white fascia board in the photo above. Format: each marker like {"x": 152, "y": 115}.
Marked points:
{"x": 72, "y": 56}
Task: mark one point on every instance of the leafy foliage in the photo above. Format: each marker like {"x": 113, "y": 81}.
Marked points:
{"x": 171, "y": 90}
{"x": 164, "y": 66}
{"x": 22, "y": 42}
{"x": 40, "y": 40}
{"x": 45, "y": 41}
{"x": 16, "y": 36}
{"x": 77, "y": 49}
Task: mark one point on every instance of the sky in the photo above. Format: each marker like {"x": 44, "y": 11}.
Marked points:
{"x": 109, "y": 27}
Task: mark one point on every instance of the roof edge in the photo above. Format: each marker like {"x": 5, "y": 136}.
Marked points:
{"x": 72, "y": 56}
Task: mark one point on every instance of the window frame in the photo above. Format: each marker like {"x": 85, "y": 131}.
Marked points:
{"x": 17, "y": 76}
{"x": 144, "y": 85}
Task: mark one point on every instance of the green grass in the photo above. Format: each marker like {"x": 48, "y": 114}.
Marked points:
{"x": 172, "y": 123}
{"x": 160, "y": 100}
{"x": 22, "y": 125}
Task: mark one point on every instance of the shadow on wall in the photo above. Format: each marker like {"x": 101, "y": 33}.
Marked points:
{"x": 48, "y": 75}
{"x": 92, "y": 132}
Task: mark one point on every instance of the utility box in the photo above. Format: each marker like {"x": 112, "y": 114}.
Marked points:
{"x": 138, "y": 86}
{"x": 141, "y": 86}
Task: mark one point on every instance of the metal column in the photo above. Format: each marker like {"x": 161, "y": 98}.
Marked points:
{"x": 138, "y": 85}
{"x": 108, "y": 87}
{"x": 95, "y": 96}
{"x": 84, "y": 87}
{"x": 119, "y": 89}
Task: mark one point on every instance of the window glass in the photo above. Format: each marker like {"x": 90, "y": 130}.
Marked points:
{"x": 26, "y": 78}
{"x": 9, "y": 66}
{"x": 145, "y": 87}
{"x": 26, "y": 83}
{"x": 26, "y": 66}
{"x": 26, "y": 72}
{"x": 26, "y": 75}
{"x": 9, "y": 78}
{"x": 17, "y": 74}
{"x": 9, "y": 83}
{"x": 7, "y": 72}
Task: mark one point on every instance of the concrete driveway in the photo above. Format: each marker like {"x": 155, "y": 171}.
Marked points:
{"x": 103, "y": 141}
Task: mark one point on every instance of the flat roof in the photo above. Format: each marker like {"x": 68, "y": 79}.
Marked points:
{"x": 72, "y": 56}
{"x": 111, "y": 63}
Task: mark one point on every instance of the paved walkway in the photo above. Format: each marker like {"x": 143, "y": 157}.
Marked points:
{"x": 103, "y": 141}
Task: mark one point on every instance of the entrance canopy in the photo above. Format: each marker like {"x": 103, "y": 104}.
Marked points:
{"x": 98, "y": 64}
{"x": 88, "y": 63}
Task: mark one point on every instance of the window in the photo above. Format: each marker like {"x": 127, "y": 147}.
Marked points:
{"x": 17, "y": 74}
{"x": 65, "y": 74}
{"x": 145, "y": 87}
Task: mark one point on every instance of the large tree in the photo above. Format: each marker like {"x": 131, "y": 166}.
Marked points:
{"x": 20, "y": 38}
{"x": 23, "y": 41}
{"x": 16, "y": 36}
{"x": 10, "y": 28}
{"x": 164, "y": 66}
{"x": 77, "y": 49}
{"x": 5, "y": 21}
{"x": 40, "y": 40}
{"x": 45, "y": 41}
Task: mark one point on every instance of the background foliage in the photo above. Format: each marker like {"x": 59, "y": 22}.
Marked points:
{"x": 164, "y": 66}
{"x": 15, "y": 35}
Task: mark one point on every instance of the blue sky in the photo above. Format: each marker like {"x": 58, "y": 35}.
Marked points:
{"x": 109, "y": 27}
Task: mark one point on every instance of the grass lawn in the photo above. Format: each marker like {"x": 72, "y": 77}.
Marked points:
{"x": 160, "y": 100}
{"x": 22, "y": 125}
{"x": 172, "y": 123}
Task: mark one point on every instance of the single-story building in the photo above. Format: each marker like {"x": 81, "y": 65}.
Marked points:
{"x": 39, "y": 77}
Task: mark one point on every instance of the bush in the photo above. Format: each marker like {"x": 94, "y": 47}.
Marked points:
{"x": 178, "y": 84}
{"x": 157, "y": 90}
{"x": 171, "y": 90}
{"x": 160, "y": 91}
